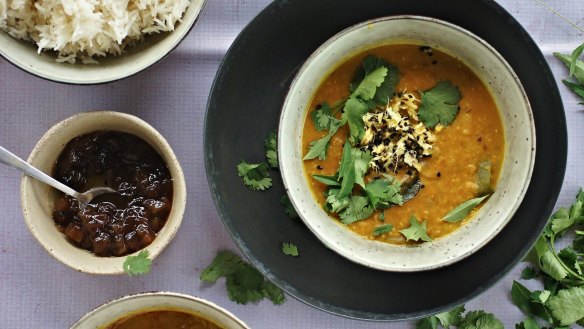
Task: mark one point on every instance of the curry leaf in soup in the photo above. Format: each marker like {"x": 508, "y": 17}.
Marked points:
{"x": 322, "y": 117}
{"x": 255, "y": 176}
{"x": 382, "y": 229}
{"x": 383, "y": 193}
{"x": 460, "y": 212}
{"x": 417, "y": 231}
{"x": 439, "y": 105}
{"x": 327, "y": 180}
{"x": 483, "y": 178}
{"x": 386, "y": 90}
{"x": 357, "y": 209}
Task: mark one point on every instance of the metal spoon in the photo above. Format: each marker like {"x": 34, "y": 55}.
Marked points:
{"x": 7, "y": 158}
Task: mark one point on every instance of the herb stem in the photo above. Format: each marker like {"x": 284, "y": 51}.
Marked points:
{"x": 560, "y": 15}
{"x": 566, "y": 267}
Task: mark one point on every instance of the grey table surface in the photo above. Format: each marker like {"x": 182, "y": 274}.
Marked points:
{"x": 36, "y": 291}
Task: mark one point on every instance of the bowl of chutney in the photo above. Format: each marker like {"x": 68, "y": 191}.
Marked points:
{"x": 116, "y": 150}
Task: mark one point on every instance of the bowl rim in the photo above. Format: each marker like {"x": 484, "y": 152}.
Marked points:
{"x": 285, "y": 167}
{"x": 173, "y": 223}
{"x": 113, "y": 78}
{"x": 146, "y": 295}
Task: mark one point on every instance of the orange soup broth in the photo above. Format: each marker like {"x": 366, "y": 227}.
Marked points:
{"x": 449, "y": 176}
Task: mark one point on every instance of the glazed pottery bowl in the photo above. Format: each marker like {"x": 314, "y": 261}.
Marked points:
{"x": 508, "y": 94}
{"x": 135, "y": 58}
{"x": 38, "y": 199}
{"x": 156, "y": 301}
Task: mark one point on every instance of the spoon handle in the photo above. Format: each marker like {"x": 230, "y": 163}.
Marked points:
{"x": 9, "y": 159}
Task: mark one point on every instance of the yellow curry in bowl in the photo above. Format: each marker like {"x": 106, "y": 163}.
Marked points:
{"x": 402, "y": 143}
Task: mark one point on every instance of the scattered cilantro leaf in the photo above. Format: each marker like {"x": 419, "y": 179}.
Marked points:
{"x": 569, "y": 257}
{"x": 244, "y": 283}
{"x": 327, "y": 180}
{"x": 529, "y": 273}
{"x": 322, "y": 117}
{"x": 255, "y": 176}
{"x": 357, "y": 209}
{"x": 289, "y": 249}
{"x": 417, "y": 231}
{"x": 288, "y": 207}
{"x": 386, "y": 90}
{"x": 480, "y": 320}
{"x": 452, "y": 317}
{"x": 271, "y": 145}
{"x": 274, "y": 293}
{"x": 540, "y": 296}
{"x": 522, "y": 297}
{"x": 224, "y": 264}
{"x": 561, "y": 220}
{"x": 568, "y": 305}
{"x": 382, "y": 229}
{"x": 483, "y": 178}
{"x": 463, "y": 209}
{"x": 529, "y": 323}
{"x": 547, "y": 261}
{"x": 430, "y": 322}
{"x": 383, "y": 193}
{"x": 439, "y": 104}
{"x": 318, "y": 148}
{"x": 139, "y": 264}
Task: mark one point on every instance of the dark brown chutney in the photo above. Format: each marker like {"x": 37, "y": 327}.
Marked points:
{"x": 119, "y": 223}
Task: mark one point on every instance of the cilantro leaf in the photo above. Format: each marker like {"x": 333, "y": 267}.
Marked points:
{"x": 480, "y": 320}
{"x": 452, "y": 317}
{"x": 139, "y": 264}
{"x": 224, "y": 264}
{"x": 322, "y": 117}
{"x": 319, "y": 147}
{"x": 383, "y": 193}
{"x": 367, "y": 88}
{"x": 578, "y": 89}
{"x": 271, "y": 145}
{"x": 288, "y": 207}
{"x": 290, "y": 249}
{"x": 569, "y": 257}
{"x": 255, "y": 176}
{"x": 430, "y": 322}
{"x": 561, "y": 220}
{"x": 529, "y": 323}
{"x": 244, "y": 283}
{"x": 462, "y": 210}
{"x": 539, "y": 296}
{"x": 357, "y": 209}
{"x": 336, "y": 203}
{"x": 416, "y": 231}
{"x": 382, "y": 229}
{"x": 273, "y": 293}
{"x": 353, "y": 115}
{"x": 547, "y": 261}
{"x": 529, "y": 273}
{"x": 439, "y": 104}
{"x": 386, "y": 90}
{"x": 568, "y": 305}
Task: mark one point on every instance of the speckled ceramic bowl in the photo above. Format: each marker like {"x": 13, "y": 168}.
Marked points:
{"x": 38, "y": 199}
{"x": 514, "y": 109}
{"x": 152, "y": 301}
{"x": 110, "y": 68}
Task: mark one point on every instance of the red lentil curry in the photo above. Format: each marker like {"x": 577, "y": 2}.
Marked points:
{"x": 430, "y": 132}
{"x": 163, "y": 319}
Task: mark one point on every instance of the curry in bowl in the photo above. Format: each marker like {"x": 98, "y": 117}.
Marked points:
{"x": 402, "y": 143}
{"x": 406, "y": 143}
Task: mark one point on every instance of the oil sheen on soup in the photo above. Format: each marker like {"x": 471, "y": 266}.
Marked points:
{"x": 403, "y": 144}
{"x": 163, "y": 319}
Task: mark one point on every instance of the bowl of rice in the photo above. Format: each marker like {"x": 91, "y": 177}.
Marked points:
{"x": 92, "y": 41}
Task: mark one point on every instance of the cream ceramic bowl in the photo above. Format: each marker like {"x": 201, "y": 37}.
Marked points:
{"x": 135, "y": 304}
{"x": 37, "y": 198}
{"x": 513, "y": 106}
{"x": 134, "y": 59}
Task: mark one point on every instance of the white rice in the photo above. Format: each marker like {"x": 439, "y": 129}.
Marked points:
{"x": 86, "y": 29}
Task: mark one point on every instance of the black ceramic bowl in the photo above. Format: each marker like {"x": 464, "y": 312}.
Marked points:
{"x": 244, "y": 107}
